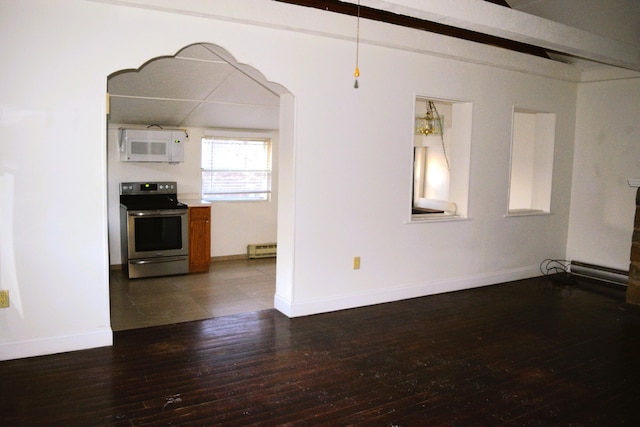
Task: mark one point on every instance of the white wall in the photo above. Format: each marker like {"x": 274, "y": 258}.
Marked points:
{"x": 233, "y": 225}
{"x": 361, "y": 207}
{"x": 607, "y": 154}
{"x": 347, "y": 187}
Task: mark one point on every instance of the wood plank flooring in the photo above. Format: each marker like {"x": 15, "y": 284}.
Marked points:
{"x": 526, "y": 353}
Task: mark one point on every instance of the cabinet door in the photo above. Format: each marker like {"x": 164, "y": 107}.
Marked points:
{"x": 199, "y": 238}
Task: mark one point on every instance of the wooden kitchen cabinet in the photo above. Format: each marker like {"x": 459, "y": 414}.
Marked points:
{"x": 199, "y": 238}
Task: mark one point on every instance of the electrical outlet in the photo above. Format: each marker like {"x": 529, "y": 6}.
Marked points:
{"x": 356, "y": 263}
{"x": 4, "y": 299}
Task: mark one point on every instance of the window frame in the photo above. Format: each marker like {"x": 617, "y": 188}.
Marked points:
{"x": 458, "y": 142}
{"x": 238, "y": 198}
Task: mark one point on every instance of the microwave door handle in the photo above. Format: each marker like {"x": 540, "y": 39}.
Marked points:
{"x": 121, "y": 140}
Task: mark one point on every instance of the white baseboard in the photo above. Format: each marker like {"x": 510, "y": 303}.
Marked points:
{"x": 282, "y": 305}
{"x": 361, "y": 299}
{"x": 57, "y": 344}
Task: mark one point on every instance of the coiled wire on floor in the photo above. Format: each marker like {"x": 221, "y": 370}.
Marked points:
{"x": 554, "y": 266}
{"x": 558, "y": 271}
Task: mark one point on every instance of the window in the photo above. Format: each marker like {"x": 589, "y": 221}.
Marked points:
{"x": 441, "y": 154}
{"x": 236, "y": 169}
{"x": 532, "y": 143}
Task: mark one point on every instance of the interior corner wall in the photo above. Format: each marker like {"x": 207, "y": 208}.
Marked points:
{"x": 286, "y": 206}
{"x": 607, "y": 154}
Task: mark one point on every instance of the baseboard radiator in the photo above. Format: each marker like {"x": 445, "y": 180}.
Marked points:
{"x": 262, "y": 250}
{"x": 612, "y": 275}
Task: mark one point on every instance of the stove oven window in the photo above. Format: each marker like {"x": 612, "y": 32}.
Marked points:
{"x": 158, "y": 233}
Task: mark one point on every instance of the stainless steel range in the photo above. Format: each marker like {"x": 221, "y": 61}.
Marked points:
{"x": 153, "y": 229}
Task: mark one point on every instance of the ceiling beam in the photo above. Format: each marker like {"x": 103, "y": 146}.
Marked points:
{"x": 373, "y": 14}
{"x": 488, "y": 23}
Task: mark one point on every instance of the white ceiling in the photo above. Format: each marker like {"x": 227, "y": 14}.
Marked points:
{"x": 615, "y": 19}
{"x": 203, "y": 86}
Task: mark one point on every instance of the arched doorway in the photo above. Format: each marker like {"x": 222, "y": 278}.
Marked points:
{"x": 202, "y": 89}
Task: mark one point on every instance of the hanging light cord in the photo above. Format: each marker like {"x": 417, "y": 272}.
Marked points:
{"x": 444, "y": 150}
{"x": 356, "y": 73}
{"x": 430, "y": 106}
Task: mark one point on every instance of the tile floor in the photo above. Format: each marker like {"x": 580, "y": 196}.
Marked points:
{"x": 230, "y": 287}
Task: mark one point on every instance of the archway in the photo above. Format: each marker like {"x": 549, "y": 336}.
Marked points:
{"x": 201, "y": 88}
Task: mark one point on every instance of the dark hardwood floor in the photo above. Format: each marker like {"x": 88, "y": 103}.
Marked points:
{"x": 526, "y": 353}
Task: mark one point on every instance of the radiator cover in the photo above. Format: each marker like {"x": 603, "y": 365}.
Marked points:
{"x": 262, "y": 250}
{"x": 607, "y": 274}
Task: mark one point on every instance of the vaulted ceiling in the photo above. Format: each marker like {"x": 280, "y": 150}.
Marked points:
{"x": 203, "y": 86}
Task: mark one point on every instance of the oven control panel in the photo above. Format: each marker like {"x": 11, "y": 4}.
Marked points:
{"x": 135, "y": 188}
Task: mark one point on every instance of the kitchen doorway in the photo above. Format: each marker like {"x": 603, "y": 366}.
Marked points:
{"x": 192, "y": 90}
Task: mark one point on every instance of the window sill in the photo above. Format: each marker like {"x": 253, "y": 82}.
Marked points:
{"x": 423, "y": 218}
{"x": 526, "y": 212}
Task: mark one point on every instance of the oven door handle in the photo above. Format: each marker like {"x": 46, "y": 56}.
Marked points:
{"x": 159, "y": 212}
{"x": 157, "y": 260}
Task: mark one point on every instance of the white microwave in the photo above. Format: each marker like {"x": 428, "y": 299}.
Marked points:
{"x": 152, "y": 145}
